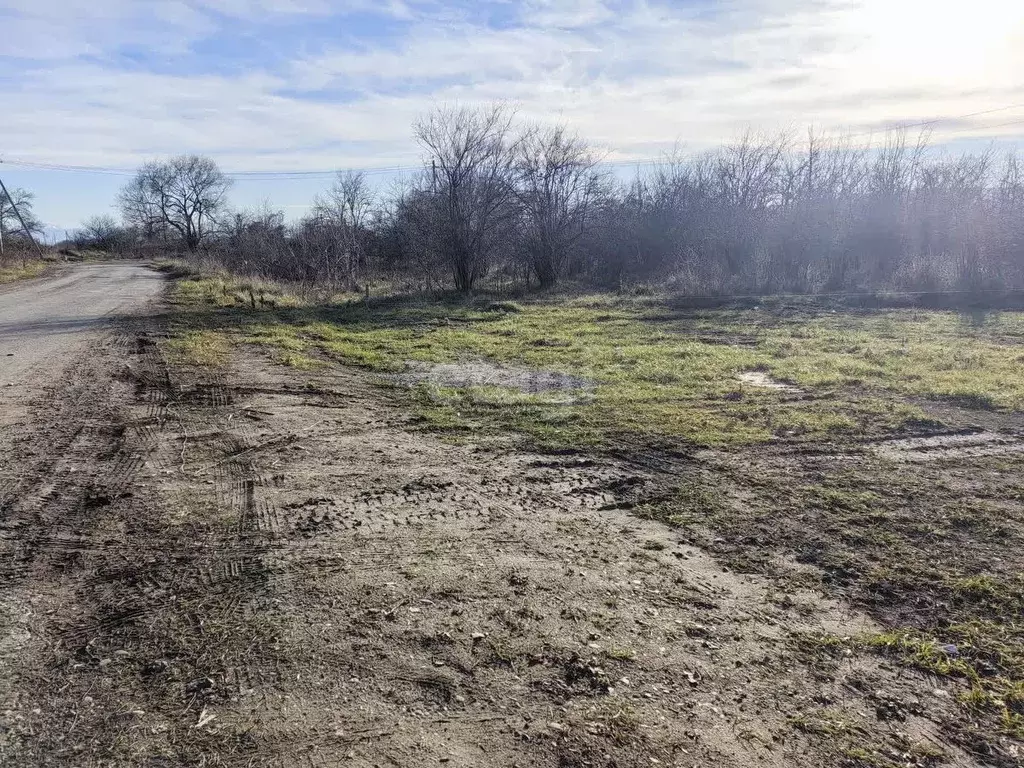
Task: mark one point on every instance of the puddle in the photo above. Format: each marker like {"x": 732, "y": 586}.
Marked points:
{"x": 481, "y": 373}
{"x": 936, "y": 447}
{"x": 764, "y": 381}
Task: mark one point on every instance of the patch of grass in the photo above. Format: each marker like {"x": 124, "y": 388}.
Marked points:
{"x": 299, "y": 361}
{"x": 192, "y": 347}
{"x": 651, "y": 379}
{"x": 176, "y": 268}
{"x": 924, "y": 653}
{"x": 657, "y": 373}
{"x": 912, "y": 352}
{"x": 992, "y": 594}
{"x": 931, "y": 550}
{"x": 24, "y": 271}
{"x": 988, "y": 655}
{"x": 543, "y": 417}
{"x": 692, "y": 503}
{"x": 620, "y": 654}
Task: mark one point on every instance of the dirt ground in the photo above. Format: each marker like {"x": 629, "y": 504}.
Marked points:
{"x": 254, "y": 565}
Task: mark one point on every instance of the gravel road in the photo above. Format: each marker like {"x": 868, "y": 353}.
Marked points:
{"x": 43, "y": 322}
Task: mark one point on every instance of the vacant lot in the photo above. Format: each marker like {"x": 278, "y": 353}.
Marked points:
{"x": 593, "y": 531}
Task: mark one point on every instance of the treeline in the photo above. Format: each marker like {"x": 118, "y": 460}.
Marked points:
{"x": 498, "y": 202}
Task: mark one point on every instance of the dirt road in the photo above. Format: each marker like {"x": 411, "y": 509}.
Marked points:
{"x": 46, "y": 322}
{"x": 253, "y": 565}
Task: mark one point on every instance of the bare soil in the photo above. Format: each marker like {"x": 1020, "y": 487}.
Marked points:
{"x": 259, "y": 566}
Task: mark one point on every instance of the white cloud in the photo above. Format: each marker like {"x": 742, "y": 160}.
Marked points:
{"x": 633, "y": 75}
{"x": 566, "y": 13}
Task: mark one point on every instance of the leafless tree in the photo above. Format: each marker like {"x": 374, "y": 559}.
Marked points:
{"x": 181, "y": 197}
{"x": 749, "y": 171}
{"x": 10, "y": 226}
{"x": 760, "y": 215}
{"x": 471, "y": 157}
{"x": 345, "y": 210}
{"x": 556, "y": 185}
{"x": 104, "y": 233}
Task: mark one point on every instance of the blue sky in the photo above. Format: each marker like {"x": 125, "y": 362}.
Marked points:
{"x": 300, "y": 85}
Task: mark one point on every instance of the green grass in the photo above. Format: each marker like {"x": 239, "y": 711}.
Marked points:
{"x": 620, "y": 654}
{"x": 13, "y": 272}
{"x": 656, "y": 372}
{"x": 196, "y": 347}
{"x": 939, "y": 567}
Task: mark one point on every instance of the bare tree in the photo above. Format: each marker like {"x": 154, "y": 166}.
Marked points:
{"x": 254, "y": 242}
{"x": 10, "y": 226}
{"x": 471, "y": 156}
{"x": 182, "y": 196}
{"x": 758, "y": 215}
{"x": 407, "y": 236}
{"x": 346, "y": 209}
{"x": 749, "y": 171}
{"x": 556, "y": 184}
{"x": 103, "y": 233}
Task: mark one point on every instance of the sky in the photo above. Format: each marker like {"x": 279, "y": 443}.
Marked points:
{"x": 317, "y": 85}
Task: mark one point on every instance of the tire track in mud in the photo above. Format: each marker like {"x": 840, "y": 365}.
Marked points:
{"x": 44, "y": 505}
{"x": 257, "y": 583}
{"x": 460, "y": 616}
{"x": 139, "y": 603}
{"x": 70, "y": 467}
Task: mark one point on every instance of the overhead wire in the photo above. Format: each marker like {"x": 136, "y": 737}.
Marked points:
{"x": 294, "y": 174}
{"x": 928, "y": 123}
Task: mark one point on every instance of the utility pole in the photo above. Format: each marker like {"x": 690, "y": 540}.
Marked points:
{"x": 17, "y": 213}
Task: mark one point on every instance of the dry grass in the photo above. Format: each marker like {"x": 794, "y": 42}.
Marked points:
{"x": 10, "y": 273}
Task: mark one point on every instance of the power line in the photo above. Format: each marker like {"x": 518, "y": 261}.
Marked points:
{"x": 245, "y": 175}
{"x": 935, "y": 121}
{"x": 990, "y": 127}
{"x": 291, "y": 175}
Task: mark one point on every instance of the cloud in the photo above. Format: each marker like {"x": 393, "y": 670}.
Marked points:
{"x": 300, "y": 84}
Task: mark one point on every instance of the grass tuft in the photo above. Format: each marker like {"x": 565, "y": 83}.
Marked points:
{"x": 24, "y": 271}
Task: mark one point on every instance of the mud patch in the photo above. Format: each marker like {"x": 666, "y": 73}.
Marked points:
{"x": 949, "y": 446}
{"x": 762, "y": 380}
{"x": 483, "y": 373}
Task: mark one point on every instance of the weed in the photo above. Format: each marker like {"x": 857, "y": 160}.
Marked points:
{"x": 616, "y": 721}
{"x": 824, "y": 724}
{"x": 923, "y": 653}
{"x": 620, "y": 654}
{"x": 192, "y": 347}
{"x": 24, "y": 271}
